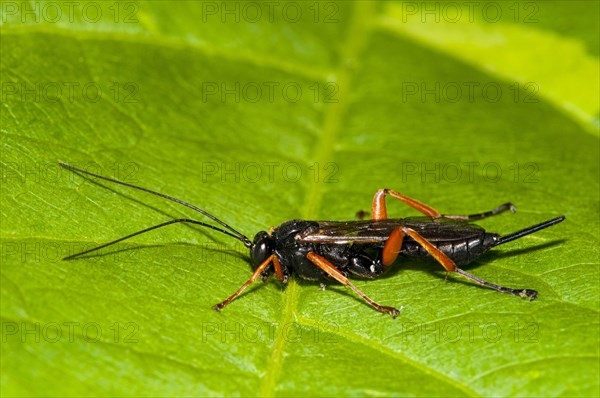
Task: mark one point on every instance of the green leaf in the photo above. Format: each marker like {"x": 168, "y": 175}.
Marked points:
{"x": 354, "y": 99}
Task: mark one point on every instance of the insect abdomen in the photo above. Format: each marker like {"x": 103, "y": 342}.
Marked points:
{"x": 460, "y": 251}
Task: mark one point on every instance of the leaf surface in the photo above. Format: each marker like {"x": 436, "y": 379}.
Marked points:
{"x": 185, "y": 107}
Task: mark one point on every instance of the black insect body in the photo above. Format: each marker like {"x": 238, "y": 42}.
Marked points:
{"x": 317, "y": 250}
{"x": 459, "y": 240}
{"x": 287, "y": 243}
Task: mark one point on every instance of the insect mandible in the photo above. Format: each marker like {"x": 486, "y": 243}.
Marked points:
{"x": 325, "y": 250}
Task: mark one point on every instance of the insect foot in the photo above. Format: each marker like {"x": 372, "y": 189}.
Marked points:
{"x": 393, "y": 312}
{"x": 528, "y": 293}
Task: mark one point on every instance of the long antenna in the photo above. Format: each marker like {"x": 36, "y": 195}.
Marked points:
{"x": 237, "y": 234}
{"x": 164, "y": 224}
{"x": 529, "y": 230}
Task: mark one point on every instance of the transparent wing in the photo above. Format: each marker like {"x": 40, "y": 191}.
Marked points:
{"x": 372, "y": 231}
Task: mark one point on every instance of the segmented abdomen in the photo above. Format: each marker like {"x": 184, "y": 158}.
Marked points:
{"x": 460, "y": 251}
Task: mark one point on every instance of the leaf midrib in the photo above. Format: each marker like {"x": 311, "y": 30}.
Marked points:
{"x": 323, "y": 152}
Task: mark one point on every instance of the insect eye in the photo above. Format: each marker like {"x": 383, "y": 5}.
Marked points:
{"x": 261, "y": 248}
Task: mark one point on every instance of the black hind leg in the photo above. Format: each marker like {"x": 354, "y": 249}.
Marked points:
{"x": 480, "y": 216}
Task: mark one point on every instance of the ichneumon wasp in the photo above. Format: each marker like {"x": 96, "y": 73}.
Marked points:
{"x": 318, "y": 250}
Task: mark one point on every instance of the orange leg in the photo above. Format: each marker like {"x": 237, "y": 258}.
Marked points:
{"x": 331, "y": 270}
{"x": 278, "y": 271}
{"x": 439, "y": 255}
{"x": 394, "y": 244}
{"x": 379, "y": 211}
{"x": 273, "y": 258}
{"x": 392, "y": 247}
